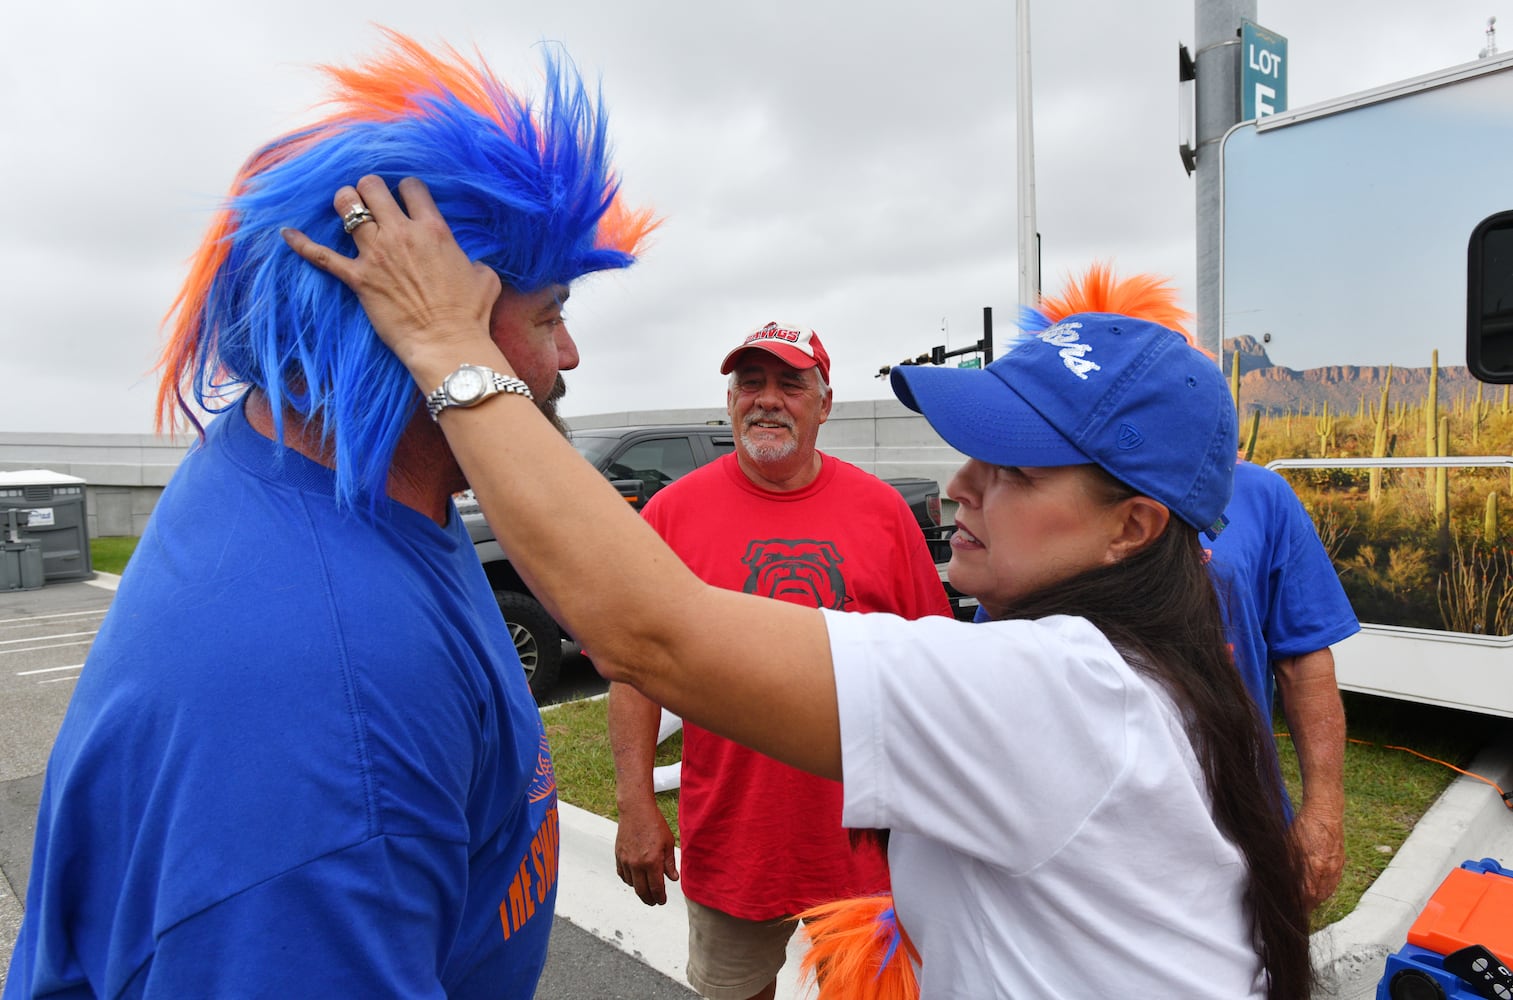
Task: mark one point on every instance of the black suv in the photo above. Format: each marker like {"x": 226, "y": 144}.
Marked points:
{"x": 639, "y": 461}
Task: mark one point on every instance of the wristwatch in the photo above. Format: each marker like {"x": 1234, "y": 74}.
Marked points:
{"x": 470, "y": 385}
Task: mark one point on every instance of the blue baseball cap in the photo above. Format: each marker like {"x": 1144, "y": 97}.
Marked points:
{"x": 1095, "y": 388}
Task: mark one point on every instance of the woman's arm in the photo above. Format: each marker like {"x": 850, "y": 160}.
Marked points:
{"x": 755, "y": 670}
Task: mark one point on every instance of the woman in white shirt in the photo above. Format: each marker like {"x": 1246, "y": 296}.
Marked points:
{"x": 1079, "y": 794}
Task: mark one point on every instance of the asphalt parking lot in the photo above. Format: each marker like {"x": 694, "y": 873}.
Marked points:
{"x": 45, "y": 636}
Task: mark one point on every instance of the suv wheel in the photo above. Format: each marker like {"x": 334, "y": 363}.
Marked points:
{"x": 538, "y": 642}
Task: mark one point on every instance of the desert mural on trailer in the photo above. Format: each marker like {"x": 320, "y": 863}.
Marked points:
{"x": 1426, "y": 548}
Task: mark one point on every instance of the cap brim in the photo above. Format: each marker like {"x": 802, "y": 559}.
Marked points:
{"x": 983, "y": 417}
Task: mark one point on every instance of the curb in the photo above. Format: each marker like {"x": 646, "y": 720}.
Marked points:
{"x": 591, "y": 896}
{"x": 1468, "y": 821}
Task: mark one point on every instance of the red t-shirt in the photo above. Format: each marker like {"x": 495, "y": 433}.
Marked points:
{"x": 761, "y": 839}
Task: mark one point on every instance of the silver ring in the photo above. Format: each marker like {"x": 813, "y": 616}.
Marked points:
{"x": 356, "y": 216}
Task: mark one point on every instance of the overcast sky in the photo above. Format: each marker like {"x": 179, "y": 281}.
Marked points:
{"x": 846, "y": 166}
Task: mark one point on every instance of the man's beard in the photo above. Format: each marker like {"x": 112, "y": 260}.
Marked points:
{"x": 548, "y": 406}
{"x": 766, "y": 451}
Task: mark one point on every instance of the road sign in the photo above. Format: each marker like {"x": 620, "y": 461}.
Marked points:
{"x": 970, "y": 363}
{"x": 1263, "y": 72}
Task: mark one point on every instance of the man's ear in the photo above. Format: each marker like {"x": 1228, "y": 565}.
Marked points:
{"x": 1141, "y": 521}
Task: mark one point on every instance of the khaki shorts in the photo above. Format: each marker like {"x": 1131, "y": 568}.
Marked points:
{"x": 730, "y": 958}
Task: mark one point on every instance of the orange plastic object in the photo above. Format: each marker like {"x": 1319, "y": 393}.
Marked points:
{"x": 1469, "y": 907}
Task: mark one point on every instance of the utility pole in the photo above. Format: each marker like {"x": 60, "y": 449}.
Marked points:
{"x": 1029, "y": 244}
{"x": 1217, "y": 96}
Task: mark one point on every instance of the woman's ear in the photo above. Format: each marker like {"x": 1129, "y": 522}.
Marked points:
{"x": 1141, "y": 521}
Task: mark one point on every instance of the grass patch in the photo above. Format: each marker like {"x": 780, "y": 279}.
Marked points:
{"x": 579, "y": 735}
{"x": 1386, "y": 790}
{"x": 109, "y": 554}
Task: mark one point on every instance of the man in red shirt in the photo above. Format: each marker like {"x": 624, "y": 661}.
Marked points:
{"x": 762, "y": 841}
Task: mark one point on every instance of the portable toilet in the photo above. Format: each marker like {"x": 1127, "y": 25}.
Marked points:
{"x": 44, "y": 509}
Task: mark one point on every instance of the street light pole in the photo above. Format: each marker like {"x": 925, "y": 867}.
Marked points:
{"x": 1029, "y": 244}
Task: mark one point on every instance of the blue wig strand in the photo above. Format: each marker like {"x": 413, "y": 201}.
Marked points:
{"x": 524, "y": 189}
{"x": 1032, "y": 323}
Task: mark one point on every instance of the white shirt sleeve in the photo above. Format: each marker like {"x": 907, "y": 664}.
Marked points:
{"x": 1001, "y": 737}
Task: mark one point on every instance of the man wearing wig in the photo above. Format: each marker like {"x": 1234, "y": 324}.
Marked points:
{"x": 302, "y": 759}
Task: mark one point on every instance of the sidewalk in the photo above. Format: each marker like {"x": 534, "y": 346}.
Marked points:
{"x": 593, "y": 898}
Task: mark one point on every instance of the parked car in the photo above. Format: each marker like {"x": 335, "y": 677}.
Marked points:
{"x": 639, "y": 461}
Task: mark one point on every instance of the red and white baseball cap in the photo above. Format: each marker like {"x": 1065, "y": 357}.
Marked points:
{"x": 794, "y": 346}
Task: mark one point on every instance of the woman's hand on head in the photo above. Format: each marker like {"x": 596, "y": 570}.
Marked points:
{"x": 428, "y": 302}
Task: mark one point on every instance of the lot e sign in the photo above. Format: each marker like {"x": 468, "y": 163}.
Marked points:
{"x": 1263, "y": 72}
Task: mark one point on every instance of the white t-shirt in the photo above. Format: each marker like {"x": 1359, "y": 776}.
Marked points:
{"x": 1051, "y": 830}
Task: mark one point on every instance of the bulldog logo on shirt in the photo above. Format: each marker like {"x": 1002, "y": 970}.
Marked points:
{"x": 799, "y": 571}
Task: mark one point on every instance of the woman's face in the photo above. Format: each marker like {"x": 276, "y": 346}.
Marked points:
{"x": 1021, "y": 529}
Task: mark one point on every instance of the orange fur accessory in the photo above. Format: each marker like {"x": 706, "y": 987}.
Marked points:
{"x": 1141, "y": 296}
{"x": 854, "y": 947}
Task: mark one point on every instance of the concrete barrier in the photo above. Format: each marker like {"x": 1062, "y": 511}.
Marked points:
{"x": 125, "y": 473}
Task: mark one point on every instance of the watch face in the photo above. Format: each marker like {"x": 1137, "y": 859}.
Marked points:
{"x": 466, "y": 385}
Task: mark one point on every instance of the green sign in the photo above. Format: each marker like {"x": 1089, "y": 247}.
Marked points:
{"x": 970, "y": 363}
{"x": 1263, "y": 72}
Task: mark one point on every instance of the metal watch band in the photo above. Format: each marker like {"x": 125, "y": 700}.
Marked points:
{"x": 496, "y": 383}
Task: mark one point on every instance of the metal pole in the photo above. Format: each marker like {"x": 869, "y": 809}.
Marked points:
{"x": 1217, "y": 93}
{"x": 1029, "y": 246}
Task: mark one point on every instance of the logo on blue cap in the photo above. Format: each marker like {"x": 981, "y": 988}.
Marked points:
{"x": 1073, "y": 351}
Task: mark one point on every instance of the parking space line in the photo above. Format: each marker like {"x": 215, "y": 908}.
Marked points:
{"x": 56, "y": 645}
{"x": 38, "y": 638}
{"x": 48, "y": 670}
{"x": 18, "y": 622}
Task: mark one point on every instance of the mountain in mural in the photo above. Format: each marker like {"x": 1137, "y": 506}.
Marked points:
{"x": 1274, "y": 389}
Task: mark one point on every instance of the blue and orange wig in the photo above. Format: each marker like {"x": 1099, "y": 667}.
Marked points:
{"x": 528, "y": 190}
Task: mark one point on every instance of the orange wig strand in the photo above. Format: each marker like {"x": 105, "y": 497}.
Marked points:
{"x": 859, "y": 951}
{"x": 1140, "y": 296}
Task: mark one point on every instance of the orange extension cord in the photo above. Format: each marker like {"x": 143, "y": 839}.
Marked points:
{"x": 1507, "y": 797}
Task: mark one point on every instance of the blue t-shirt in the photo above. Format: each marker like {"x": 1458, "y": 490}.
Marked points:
{"x": 1279, "y": 592}
{"x": 301, "y": 760}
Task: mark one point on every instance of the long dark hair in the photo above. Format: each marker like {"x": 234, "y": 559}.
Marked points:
{"x": 1160, "y": 609}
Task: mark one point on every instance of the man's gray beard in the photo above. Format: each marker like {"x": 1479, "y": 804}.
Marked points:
{"x": 764, "y": 453}
{"x": 548, "y": 406}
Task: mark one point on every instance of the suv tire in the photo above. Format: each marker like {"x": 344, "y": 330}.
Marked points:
{"x": 538, "y": 641}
